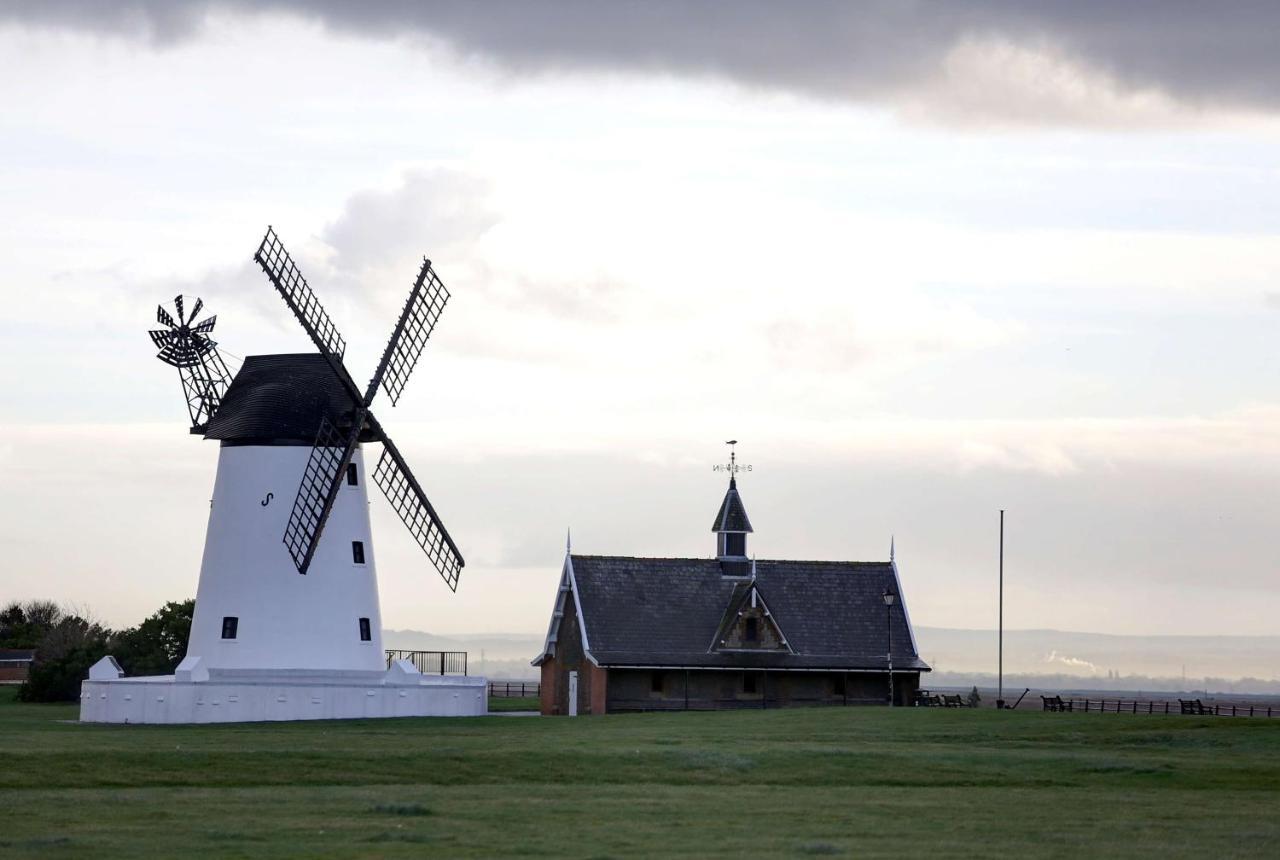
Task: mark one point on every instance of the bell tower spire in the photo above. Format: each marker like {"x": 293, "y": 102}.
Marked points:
{"x": 732, "y": 525}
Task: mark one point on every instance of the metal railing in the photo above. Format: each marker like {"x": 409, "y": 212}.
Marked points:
{"x": 432, "y": 662}
{"x": 514, "y": 689}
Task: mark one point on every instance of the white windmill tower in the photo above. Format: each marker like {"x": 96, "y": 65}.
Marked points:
{"x": 286, "y": 614}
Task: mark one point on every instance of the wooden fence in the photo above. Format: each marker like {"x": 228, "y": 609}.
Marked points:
{"x": 514, "y": 689}
{"x": 1152, "y": 706}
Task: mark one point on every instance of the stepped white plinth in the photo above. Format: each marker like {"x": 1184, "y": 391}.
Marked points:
{"x": 198, "y": 695}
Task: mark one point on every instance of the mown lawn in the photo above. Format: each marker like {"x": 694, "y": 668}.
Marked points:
{"x": 513, "y": 703}
{"x": 855, "y": 782}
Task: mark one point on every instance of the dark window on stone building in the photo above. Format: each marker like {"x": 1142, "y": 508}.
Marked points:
{"x": 748, "y": 682}
{"x": 655, "y": 682}
{"x": 751, "y": 630}
{"x": 229, "y": 626}
{"x": 366, "y": 634}
{"x": 357, "y": 551}
{"x": 837, "y": 685}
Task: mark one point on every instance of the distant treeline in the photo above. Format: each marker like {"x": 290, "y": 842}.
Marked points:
{"x": 1126, "y": 683}
{"x": 68, "y": 643}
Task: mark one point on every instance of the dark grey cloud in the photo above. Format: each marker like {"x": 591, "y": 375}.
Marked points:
{"x": 1202, "y": 55}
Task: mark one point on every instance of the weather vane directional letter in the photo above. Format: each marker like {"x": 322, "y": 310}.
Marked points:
{"x": 733, "y": 467}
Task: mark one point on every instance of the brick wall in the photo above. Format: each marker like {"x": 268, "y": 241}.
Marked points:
{"x": 593, "y": 682}
{"x": 635, "y": 690}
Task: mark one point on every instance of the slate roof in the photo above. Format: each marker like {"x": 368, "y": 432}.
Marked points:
{"x": 732, "y": 516}
{"x": 665, "y": 612}
{"x": 281, "y": 399}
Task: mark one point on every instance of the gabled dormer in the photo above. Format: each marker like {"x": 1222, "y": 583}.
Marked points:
{"x": 748, "y": 625}
{"x": 732, "y": 526}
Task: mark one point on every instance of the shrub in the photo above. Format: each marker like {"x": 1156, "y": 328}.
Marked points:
{"x": 58, "y": 680}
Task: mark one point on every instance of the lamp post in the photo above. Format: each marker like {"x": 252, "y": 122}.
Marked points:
{"x": 1000, "y": 646}
{"x": 889, "y": 598}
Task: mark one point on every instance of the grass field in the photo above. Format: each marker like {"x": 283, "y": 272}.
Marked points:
{"x": 513, "y": 703}
{"x": 855, "y": 782}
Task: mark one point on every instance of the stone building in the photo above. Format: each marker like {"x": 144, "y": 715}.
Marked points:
{"x": 634, "y": 634}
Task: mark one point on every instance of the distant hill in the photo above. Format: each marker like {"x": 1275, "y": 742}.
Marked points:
{"x": 1054, "y": 658}
{"x": 1101, "y": 655}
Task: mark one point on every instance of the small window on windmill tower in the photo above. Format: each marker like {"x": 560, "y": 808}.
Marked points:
{"x": 366, "y": 633}
{"x": 751, "y": 630}
{"x": 357, "y": 551}
{"x": 230, "y": 624}
{"x": 352, "y": 480}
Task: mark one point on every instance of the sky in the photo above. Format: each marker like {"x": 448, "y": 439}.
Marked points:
{"x": 924, "y": 260}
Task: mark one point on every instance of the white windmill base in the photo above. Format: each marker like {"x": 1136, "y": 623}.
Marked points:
{"x": 196, "y": 695}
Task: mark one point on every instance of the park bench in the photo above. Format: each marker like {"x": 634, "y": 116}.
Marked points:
{"x": 925, "y": 699}
{"x": 1055, "y": 703}
{"x": 1195, "y": 707}
{"x": 955, "y": 701}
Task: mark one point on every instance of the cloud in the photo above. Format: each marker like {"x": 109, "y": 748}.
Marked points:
{"x": 438, "y": 209}
{"x": 1089, "y": 62}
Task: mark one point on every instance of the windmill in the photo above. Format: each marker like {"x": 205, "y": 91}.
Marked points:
{"x": 266, "y": 643}
{"x": 290, "y": 491}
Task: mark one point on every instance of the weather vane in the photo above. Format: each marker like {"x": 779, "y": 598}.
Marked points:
{"x": 733, "y": 467}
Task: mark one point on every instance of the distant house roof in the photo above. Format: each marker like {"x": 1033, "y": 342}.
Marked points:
{"x": 667, "y": 612}
{"x": 21, "y": 655}
{"x": 732, "y": 516}
{"x": 281, "y": 399}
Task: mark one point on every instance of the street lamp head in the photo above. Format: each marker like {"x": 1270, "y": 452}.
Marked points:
{"x": 889, "y": 597}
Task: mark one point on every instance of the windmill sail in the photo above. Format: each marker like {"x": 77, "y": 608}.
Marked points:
{"x": 297, "y": 294}
{"x": 321, "y": 482}
{"x": 421, "y": 312}
{"x": 322, "y": 478}
{"x": 402, "y": 489}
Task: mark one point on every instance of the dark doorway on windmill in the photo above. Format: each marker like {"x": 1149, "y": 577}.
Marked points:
{"x": 366, "y": 634}
{"x": 351, "y": 475}
{"x": 229, "y": 626}
{"x": 749, "y": 682}
{"x": 751, "y": 631}
{"x": 357, "y": 551}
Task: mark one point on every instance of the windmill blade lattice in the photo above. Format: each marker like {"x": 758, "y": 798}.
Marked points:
{"x": 297, "y": 294}
{"x": 321, "y": 482}
{"x": 421, "y": 312}
{"x": 398, "y": 484}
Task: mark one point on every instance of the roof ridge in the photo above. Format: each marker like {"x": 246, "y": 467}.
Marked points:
{"x": 705, "y": 560}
